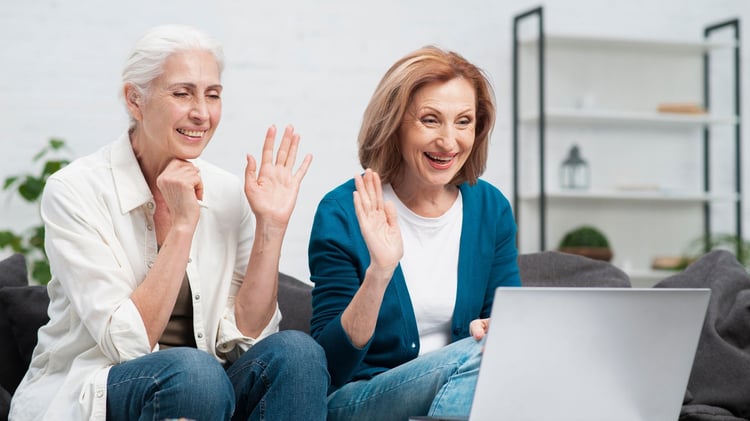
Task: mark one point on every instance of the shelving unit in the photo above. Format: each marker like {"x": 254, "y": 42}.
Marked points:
{"x": 540, "y": 202}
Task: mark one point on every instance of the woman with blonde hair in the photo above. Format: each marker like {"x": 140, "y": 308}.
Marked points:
{"x": 406, "y": 257}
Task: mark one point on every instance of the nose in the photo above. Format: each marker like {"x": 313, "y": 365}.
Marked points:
{"x": 199, "y": 110}
{"x": 448, "y": 136}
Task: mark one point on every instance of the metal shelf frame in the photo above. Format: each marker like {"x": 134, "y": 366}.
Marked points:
{"x": 541, "y": 124}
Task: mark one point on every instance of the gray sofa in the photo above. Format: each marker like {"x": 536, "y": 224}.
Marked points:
{"x": 712, "y": 395}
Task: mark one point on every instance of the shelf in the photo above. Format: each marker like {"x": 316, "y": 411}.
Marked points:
{"x": 640, "y": 278}
{"x": 582, "y": 116}
{"x": 636, "y": 76}
{"x": 625, "y": 195}
{"x": 664, "y": 45}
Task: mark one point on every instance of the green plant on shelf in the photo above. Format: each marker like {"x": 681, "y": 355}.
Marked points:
{"x": 586, "y": 241}
{"x": 697, "y": 247}
{"x": 29, "y": 187}
{"x": 584, "y": 236}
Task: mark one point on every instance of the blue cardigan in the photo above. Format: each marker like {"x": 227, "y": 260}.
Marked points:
{"x": 338, "y": 259}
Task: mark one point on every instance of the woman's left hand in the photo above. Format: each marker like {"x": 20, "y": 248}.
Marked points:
{"x": 272, "y": 192}
{"x": 479, "y": 327}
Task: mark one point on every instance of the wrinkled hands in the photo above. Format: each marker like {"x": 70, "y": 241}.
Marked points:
{"x": 181, "y": 187}
{"x": 377, "y": 222}
{"x": 272, "y": 192}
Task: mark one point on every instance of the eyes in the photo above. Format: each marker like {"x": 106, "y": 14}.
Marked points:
{"x": 212, "y": 94}
{"x": 433, "y": 121}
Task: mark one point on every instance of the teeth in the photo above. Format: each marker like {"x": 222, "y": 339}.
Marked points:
{"x": 192, "y": 133}
{"x": 439, "y": 158}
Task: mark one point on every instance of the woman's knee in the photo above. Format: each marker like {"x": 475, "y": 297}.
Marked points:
{"x": 291, "y": 354}
{"x": 195, "y": 369}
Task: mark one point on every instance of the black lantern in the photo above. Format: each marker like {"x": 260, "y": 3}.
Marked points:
{"x": 574, "y": 172}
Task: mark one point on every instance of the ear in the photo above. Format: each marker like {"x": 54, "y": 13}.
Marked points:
{"x": 133, "y": 101}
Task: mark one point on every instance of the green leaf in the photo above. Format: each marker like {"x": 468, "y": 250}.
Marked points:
{"x": 50, "y": 167}
{"x": 9, "y": 181}
{"x": 36, "y": 240}
{"x": 40, "y": 272}
{"x": 31, "y": 188}
{"x": 10, "y": 239}
{"x": 56, "y": 144}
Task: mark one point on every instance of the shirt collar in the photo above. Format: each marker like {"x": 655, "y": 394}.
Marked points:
{"x": 131, "y": 188}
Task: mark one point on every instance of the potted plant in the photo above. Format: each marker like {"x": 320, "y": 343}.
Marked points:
{"x": 29, "y": 187}
{"x": 586, "y": 241}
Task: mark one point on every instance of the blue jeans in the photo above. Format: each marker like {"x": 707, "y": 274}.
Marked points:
{"x": 282, "y": 377}
{"x": 439, "y": 383}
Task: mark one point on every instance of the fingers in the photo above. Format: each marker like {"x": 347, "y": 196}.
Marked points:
{"x": 302, "y": 170}
{"x": 267, "y": 154}
{"x": 370, "y": 189}
{"x": 478, "y": 328}
{"x": 286, "y": 155}
{"x": 250, "y": 169}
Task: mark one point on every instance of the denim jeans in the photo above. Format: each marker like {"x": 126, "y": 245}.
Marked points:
{"x": 439, "y": 383}
{"x": 282, "y": 377}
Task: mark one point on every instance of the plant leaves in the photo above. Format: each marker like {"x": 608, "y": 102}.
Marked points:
{"x": 9, "y": 181}
{"x": 31, "y": 188}
{"x": 40, "y": 271}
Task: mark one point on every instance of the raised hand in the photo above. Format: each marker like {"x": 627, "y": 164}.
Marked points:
{"x": 272, "y": 192}
{"x": 377, "y": 222}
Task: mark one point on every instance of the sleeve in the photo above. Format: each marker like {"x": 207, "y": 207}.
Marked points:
{"x": 93, "y": 271}
{"x": 337, "y": 258}
{"x": 504, "y": 271}
{"x": 231, "y": 343}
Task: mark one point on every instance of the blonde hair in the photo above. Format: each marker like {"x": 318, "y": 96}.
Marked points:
{"x": 378, "y": 142}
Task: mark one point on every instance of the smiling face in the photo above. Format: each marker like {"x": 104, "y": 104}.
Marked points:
{"x": 437, "y": 134}
{"x": 180, "y": 112}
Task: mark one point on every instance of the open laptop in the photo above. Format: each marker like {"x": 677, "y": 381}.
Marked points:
{"x": 588, "y": 354}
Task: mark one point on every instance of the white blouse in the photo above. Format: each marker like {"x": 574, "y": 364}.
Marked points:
{"x": 100, "y": 238}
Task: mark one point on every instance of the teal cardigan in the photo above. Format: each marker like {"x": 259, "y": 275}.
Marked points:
{"x": 338, "y": 259}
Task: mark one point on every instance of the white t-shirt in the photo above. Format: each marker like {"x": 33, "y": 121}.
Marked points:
{"x": 430, "y": 266}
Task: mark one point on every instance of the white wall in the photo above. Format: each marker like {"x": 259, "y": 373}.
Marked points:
{"x": 313, "y": 64}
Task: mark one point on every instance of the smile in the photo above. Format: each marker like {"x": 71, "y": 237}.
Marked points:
{"x": 440, "y": 159}
{"x": 192, "y": 133}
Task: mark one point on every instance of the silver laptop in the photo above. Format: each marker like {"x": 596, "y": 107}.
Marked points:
{"x": 588, "y": 354}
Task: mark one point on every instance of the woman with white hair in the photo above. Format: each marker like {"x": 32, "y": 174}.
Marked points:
{"x": 165, "y": 267}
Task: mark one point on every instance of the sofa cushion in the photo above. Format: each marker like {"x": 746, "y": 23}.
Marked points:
{"x": 12, "y": 368}
{"x": 4, "y": 404}
{"x": 295, "y": 303}
{"x": 720, "y": 376}
{"x": 557, "y": 269}
{"x": 26, "y": 309}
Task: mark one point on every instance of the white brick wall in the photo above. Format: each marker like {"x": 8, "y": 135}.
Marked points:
{"x": 313, "y": 64}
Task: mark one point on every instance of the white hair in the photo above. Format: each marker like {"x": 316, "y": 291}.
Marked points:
{"x": 146, "y": 61}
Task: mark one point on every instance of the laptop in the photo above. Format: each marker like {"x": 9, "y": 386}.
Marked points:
{"x": 588, "y": 354}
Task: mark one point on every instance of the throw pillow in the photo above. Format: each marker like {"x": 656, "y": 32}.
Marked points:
{"x": 12, "y": 273}
{"x": 26, "y": 308}
{"x": 720, "y": 377}
{"x": 295, "y": 303}
{"x": 557, "y": 269}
